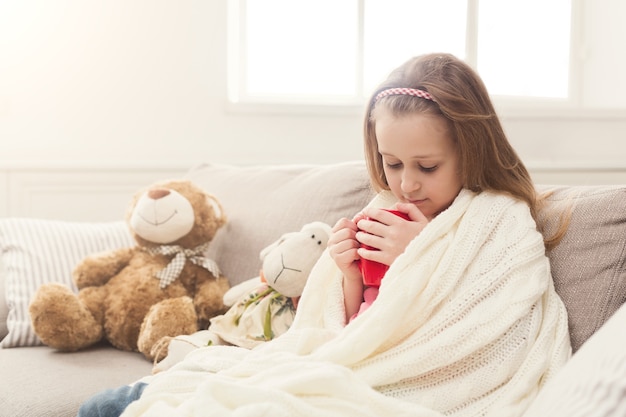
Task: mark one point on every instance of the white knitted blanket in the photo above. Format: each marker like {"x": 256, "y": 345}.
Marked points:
{"x": 467, "y": 323}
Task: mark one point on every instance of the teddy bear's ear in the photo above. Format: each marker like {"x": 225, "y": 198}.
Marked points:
{"x": 217, "y": 208}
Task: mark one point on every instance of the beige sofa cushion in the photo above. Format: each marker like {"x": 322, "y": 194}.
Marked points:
{"x": 39, "y": 381}
{"x": 264, "y": 202}
{"x": 589, "y": 265}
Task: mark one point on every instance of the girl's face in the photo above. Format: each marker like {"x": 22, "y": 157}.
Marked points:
{"x": 420, "y": 160}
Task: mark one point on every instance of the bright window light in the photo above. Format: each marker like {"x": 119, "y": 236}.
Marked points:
{"x": 523, "y": 47}
{"x": 396, "y": 30}
{"x": 301, "y": 48}
{"x": 336, "y": 52}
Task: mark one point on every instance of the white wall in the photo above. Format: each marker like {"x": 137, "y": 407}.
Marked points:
{"x": 119, "y": 85}
{"x": 138, "y": 81}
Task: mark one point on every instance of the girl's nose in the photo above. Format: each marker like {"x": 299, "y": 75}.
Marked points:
{"x": 409, "y": 183}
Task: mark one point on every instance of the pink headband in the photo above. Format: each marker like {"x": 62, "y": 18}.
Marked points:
{"x": 404, "y": 92}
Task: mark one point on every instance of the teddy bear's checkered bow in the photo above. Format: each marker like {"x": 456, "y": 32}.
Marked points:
{"x": 171, "y": 272}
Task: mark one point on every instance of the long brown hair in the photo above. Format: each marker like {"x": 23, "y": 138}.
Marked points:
{"x": 487, "y": 161}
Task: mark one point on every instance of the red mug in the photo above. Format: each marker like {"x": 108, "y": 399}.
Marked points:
{"x": 372, "y": 271}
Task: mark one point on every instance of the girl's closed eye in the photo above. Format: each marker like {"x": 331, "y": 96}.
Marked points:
{"x": 428, "y": 169}
{"x": 394, "y": 165}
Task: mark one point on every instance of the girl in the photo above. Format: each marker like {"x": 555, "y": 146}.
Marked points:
{"x": 466, "y": 321}
{"x": 430, "y": 130}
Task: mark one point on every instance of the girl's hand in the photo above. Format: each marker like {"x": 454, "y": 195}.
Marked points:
{"x": 342, "y": 247}
{"x": 388, "y": 233}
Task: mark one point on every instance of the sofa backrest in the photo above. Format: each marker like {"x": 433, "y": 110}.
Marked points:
{"x": 263, "y": 202}
{"x": 588, "y": 266}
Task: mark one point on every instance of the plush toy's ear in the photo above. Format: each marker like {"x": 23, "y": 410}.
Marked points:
{"x": 318, "y": 226}
{"x": 274, "y": 245}
{"x": 217, "y": 208}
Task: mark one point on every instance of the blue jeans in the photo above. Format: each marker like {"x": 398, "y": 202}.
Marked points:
{"x": 111, "y": 402}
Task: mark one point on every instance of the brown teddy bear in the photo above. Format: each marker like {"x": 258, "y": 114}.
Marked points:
{"x": 132, "y": 297}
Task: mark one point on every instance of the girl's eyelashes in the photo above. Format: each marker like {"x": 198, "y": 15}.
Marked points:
{"x": 394, "y": 165}
{"x": 398, "y": 165}
{"x": 428, "y": 169}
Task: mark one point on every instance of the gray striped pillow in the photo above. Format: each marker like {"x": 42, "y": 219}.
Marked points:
{"x": 38, "y": 251}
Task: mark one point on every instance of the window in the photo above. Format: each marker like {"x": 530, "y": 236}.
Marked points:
{"x": 335, "y": 52}
{"x": 523, "y": 48}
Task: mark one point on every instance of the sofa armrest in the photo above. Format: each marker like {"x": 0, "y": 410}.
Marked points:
{"x": 593, "y": 382}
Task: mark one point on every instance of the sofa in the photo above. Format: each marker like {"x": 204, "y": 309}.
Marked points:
{"x": 262, "y": 203}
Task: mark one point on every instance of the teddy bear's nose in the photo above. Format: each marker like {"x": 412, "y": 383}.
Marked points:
{"x": 158, "y": 193}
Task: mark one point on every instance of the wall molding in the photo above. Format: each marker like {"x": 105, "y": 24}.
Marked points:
{"x": 76, "y": 192}
{"x": 101, "y": 192}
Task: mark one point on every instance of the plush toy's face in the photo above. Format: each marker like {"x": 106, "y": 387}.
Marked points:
{"x": 288, "y": 262}
{"x": 175, "y": 213}
{"x": 162, "y": 216}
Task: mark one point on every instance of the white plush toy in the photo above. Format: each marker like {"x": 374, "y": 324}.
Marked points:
{"x": 261, "y": 308}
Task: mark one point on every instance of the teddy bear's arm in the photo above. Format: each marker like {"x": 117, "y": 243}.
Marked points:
{"x": 95, "y": 270}
{"x": 209, "y": 297}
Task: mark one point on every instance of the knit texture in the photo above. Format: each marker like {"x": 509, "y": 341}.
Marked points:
{"x": 467, "y": 323}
